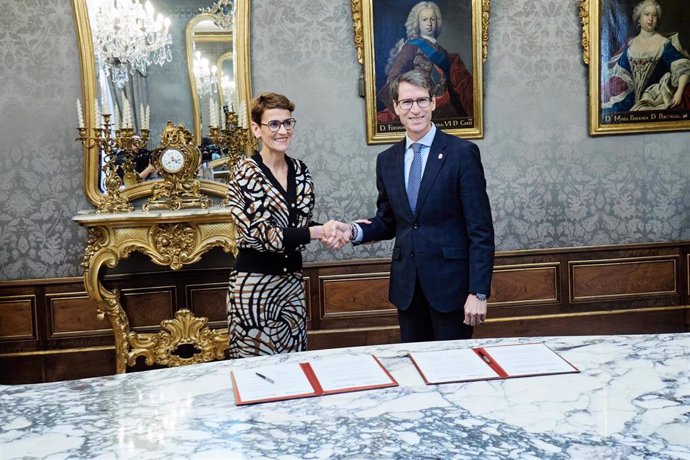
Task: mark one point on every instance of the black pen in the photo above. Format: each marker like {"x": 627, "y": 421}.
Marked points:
{"x": 264, "y": 377}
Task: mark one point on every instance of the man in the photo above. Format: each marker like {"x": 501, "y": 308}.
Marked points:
{"x": 444, "y": 239}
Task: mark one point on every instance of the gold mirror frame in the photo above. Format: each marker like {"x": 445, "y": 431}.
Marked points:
{"x": 241, "y": 52}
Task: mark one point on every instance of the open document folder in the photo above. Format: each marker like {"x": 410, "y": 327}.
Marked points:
{"x": 484, "y": 363}
{"x": 337, "y": 374}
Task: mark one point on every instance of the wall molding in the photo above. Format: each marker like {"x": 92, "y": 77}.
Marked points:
{"x": 623, "y": 289}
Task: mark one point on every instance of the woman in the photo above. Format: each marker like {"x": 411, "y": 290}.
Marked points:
{"x": 453, "y": 82}
{"x": 651, "y": 72}
{"x": 271, "y": 197}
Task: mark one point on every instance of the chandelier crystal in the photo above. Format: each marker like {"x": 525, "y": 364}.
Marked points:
{"x": 222, "y": 12}
{"x": 129, "y": 37}
{"x": 204, "y": 75}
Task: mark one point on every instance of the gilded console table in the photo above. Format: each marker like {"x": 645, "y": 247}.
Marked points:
{"x": 168, "y": 238}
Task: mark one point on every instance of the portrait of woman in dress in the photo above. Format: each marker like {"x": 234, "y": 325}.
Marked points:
{"x": 651, "y": 71}
{"x": 271, "y": 198}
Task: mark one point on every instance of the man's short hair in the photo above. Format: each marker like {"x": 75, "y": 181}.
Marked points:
{"x": 414, "y": 77}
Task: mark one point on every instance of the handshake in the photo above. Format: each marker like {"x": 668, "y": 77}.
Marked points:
{"x": 335, "y": 234}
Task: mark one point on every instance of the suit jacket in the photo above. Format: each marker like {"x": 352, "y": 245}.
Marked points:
{"x": 449, "y": 241}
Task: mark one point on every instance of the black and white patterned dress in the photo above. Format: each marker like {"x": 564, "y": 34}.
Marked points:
{"x": 266, "y": 303}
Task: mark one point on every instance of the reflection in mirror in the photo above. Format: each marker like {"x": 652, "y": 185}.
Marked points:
{"x": 219, "y": 113}
{"x": 155, "y": 93}
{"x": 128, "y": 38}
{"x": 206, "y": 43}
{"x": 225, "y": 77}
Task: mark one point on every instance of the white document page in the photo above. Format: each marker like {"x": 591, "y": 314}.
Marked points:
{"x": 348, "y": 372}
{"x": 278, "y": 381}
{"x": 452, "y": 366}
{"x": 528, "y": 359}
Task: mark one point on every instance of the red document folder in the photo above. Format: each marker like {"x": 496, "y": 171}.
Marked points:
{"x": 487, "y": 363}
{"x": 316, "y": 378}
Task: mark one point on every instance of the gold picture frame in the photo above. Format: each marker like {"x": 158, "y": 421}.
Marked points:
{"x": 624, "y": 97}
{"x": 385, "y": 48}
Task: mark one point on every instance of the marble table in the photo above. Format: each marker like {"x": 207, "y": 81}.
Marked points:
{"x": 631, "y": 401}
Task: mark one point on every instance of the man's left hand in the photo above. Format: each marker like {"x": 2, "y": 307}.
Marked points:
{"x": 475, "y": 311}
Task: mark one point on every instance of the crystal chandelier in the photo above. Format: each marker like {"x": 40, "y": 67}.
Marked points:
{"x": 128, "y": 36}
{"x": 228, "y": 87}
{"x": 222, "y": 12}
{"x": 204, "y": 75}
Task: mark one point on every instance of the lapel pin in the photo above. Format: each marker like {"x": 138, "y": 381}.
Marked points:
{"x": 440, "y": 156}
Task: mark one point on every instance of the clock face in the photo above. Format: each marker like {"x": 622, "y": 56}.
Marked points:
{"x": 172, "y": 160}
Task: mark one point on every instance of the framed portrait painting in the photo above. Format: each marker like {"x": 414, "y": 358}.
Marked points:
{"x": 445, "y": 38}
{"x": 638, "y": 53}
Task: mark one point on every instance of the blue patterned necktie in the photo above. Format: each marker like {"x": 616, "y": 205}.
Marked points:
{"x": 415, "y": 176}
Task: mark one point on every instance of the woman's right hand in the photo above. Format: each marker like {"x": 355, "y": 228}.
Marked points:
{"x": 336, "y": 234}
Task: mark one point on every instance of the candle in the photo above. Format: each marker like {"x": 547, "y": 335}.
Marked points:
{"x": 148, "y": 116}
{"x": 97, "y": 114}
{"x": 243, "y": 113}
{"x": 126, "y": 113}
{"x": 142, "y": 115}
{"x": 116, "y": 119}
{"x": 104, "y": 104}
{"x": 215, "y": 120}
{"x": 236, "y": 101}
{"x": 80, "y": 114}
{"x": 211, "y": 113}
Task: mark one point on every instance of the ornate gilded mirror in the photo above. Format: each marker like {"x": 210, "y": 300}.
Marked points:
{"x": 207, "y": 41}
{"x": 160, "y": 87}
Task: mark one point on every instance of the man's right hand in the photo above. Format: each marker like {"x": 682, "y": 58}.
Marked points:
{"x": 336, "y": 234}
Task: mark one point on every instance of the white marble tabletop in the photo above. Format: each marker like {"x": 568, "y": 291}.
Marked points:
{"x": 631, "y": 401}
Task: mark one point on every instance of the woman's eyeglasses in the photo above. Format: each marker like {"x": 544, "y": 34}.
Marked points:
{"x": 274, "y": 125}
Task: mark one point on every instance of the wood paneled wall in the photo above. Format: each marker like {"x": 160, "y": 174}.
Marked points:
{"x": 49, "y": 329}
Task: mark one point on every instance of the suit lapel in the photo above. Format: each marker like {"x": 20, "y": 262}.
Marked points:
{"x": 437, "y": 157}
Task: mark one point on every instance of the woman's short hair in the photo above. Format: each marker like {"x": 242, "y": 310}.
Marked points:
{"x": 414, "y": 77}
{"x": 637, "y": 12}
{"x": 412, "y": 23}
{"x": 267, "y": 101}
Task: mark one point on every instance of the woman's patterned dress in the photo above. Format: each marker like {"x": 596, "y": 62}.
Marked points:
{"x": 266, "y": 302}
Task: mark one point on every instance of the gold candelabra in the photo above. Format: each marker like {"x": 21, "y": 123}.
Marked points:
{"x": 232, "y": 138}
{"x": 124, "y": 140}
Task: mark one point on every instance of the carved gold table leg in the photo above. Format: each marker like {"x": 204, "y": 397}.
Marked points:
{"x": 174, "y": 242}
{"x": 107, "y": 302}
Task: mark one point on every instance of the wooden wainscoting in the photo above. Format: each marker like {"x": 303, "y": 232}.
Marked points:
{"x": 49, "y": 329}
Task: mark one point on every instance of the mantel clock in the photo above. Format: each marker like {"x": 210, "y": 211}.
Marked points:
{"x": 176, "y": 160}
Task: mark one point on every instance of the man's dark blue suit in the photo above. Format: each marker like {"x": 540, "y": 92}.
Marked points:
{"x": 448, "y": 243}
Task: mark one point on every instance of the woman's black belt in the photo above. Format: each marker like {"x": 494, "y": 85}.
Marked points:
{"x": 268, "y": 263}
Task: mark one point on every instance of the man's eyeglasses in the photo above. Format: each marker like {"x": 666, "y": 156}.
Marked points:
{"x": 422, "y": 102}
{"x": 274, "y": 125}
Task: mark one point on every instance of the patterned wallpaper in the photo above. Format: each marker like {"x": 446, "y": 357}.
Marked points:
{"x": 550, "y": 184}
{"x": 40, "y": 163}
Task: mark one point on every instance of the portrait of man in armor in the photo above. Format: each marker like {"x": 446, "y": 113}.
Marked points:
{"x": 435, "y": 37}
